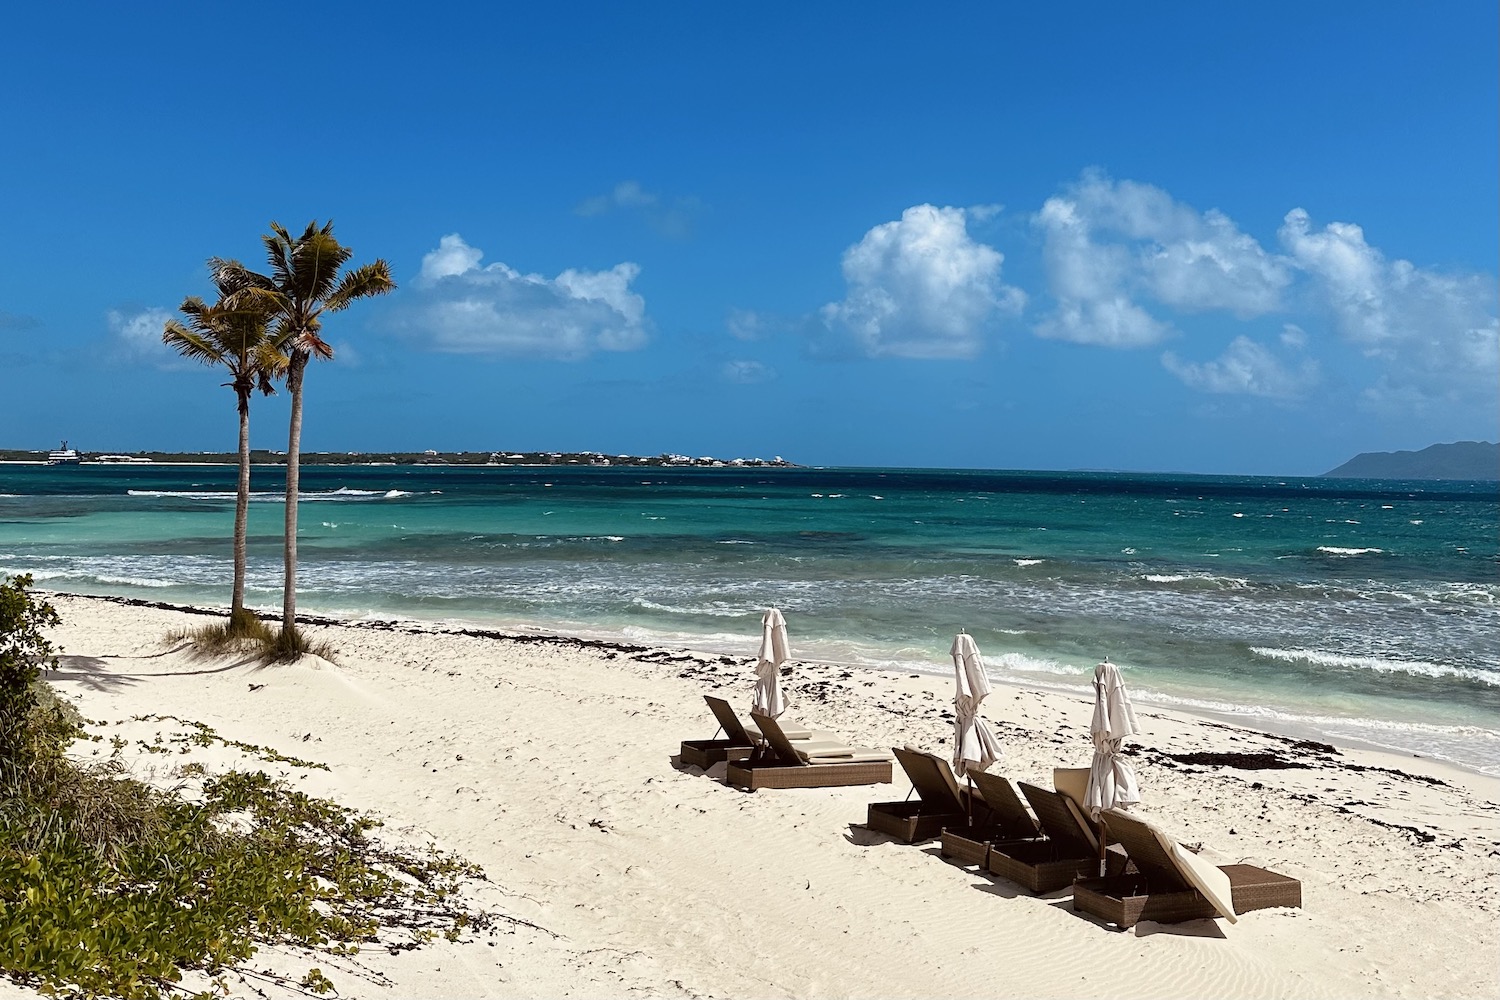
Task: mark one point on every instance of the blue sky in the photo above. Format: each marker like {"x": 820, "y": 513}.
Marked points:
{"x": 1195, "y": 237}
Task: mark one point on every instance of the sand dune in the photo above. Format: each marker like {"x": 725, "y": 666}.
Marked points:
{"x": 549, "y": 764}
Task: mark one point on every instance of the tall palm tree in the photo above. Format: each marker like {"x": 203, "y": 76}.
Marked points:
{"x": 239, "y": 340}
{"x": 304, "y": 283}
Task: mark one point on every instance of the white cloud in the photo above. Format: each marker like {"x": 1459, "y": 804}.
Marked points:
{"x": 1442, "y": 326}
{"x": 1246, "y": 368}
{"x": 921, "y": 287}
{"x": 1107, "y": 243}
{"x": 137, "y": 334}
{"x": 1436, "y": 333}
{"x": 1108, "y": 322}
{"x": 459, "y": 307}
{"x": 747, "y": 372}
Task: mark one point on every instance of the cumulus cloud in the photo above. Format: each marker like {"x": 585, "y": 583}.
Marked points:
{"x": 1246, "y": 368}
{"x": 673, "y": 217}
{"x": 921, "y": 287}
{"x": 1107, "y": 244}
{"x": 747, "y": 372}
{"x": 137, "y": 336}
{"x": 1437, "y": 333}
{"x": 460, "y": 307}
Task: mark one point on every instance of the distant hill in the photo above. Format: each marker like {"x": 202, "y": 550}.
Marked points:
{"x": 1460, "y": 460}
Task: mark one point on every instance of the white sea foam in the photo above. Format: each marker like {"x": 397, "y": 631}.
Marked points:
{"x": 1222, "y": 582}
{"x": 1023, "y": 563}
{"x": 1342, "y": 552}
{"x": 1021, "y": 663}
{"x": 136, "y": 581}
{"x": 1419, "y": 668}
{"x": 736, "y": 541}
{"x": 340, "y": 494}
{"x": 717, "y": 610}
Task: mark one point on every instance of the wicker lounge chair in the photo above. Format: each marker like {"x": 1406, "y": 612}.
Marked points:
{"x": 1173, "y": 884}
{"x": 806, "y": 764}
{"x": 940, "y": 801}
{"x": 739, "y": 740}
{"x": 1066, "y": 850}
{"x": 1006, "y": 820}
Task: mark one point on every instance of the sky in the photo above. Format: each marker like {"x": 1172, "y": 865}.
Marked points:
{"x": 1217, "y": 238}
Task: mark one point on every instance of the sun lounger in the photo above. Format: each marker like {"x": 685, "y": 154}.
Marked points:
{"x": 739, "y": 740}
{"x": 806, "y": 763}
{"x": 1173, "y": 884}
{"x": 1066, "y": 850}
{"x": 940, "y": 801}
{"x": 1006, "y": 819}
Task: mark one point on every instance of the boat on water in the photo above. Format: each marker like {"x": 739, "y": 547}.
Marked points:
{"x": 63, "y": 456}
{"x": 122, "y": 460}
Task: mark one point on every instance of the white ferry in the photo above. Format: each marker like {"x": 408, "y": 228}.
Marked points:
{"x": 122, "y": 460}
{"x": 63, "y": 456}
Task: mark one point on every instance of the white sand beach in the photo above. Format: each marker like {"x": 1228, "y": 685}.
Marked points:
{"x": 549, "y": 763}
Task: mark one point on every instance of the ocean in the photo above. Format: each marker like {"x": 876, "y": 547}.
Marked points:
{"x": 1359, "y": 610}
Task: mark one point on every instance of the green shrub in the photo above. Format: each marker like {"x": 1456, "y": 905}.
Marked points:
{"x": 111, "y": 887}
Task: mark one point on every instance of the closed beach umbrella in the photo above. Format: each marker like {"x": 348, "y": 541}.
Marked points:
{"x": 1111, "y": 781}
{"x": 774, "y": 652}
{"x": 974, "y": 746}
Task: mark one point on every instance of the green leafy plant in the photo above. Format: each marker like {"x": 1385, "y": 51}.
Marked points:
{"x": 113, "y": 887}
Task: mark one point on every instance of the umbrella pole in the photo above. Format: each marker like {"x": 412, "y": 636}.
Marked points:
{"x": 1102, "y": 846}
{"x": 970, "y": 802}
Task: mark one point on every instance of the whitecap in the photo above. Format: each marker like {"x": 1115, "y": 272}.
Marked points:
{"x": 1338, "y": 550}
{"x": 1023, "y": 563}
{"x": 1420, "y": 668}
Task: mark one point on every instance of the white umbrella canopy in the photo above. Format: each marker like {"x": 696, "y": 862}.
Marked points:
{"x": 774, "y": 652}
{"x": 974, "y": 746}
{"x": 1111, "y": 781}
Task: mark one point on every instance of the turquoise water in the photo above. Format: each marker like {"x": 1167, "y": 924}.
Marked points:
{"x": 1362, "y": 610}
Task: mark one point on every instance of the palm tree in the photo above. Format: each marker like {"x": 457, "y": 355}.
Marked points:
{"x": 237, "y": 339}
{"x": 304, "y": 283}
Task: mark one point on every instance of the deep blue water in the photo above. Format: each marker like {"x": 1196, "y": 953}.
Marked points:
{"x": 1359, "y": 609}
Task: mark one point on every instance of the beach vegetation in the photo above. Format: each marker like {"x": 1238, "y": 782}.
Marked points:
{"x": 234, "y": 336}
{"x": 306, "y": 280}
{"x": 252, "y": 636}
{"x": 112, "y": 886}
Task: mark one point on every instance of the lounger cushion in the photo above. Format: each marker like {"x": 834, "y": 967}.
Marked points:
{"x": 849, "y": 755}
{"x": 1206, "y": 878}
{"x": 796, "y": 734}
{"x": 1072, "y": 782}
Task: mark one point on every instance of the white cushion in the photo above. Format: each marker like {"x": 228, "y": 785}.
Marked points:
{"x": 1206, "y": 878}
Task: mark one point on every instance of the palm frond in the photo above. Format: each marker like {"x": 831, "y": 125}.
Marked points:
{"x": 230, "y": 276}
{"x": 360, "y": 283}
{"x": 192, "y": 344}
{"x": 317, "y": 259}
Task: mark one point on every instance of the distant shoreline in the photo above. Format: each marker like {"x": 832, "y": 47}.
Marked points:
{"x": 475, "y": 459}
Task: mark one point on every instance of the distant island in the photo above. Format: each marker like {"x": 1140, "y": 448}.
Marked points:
{"x": 264, "y": 457}
{"x": 1472, "y": 460}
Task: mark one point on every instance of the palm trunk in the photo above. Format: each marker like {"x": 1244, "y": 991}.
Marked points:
{"x": 241, "y": 514}
{"x": 295, "y": 371}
